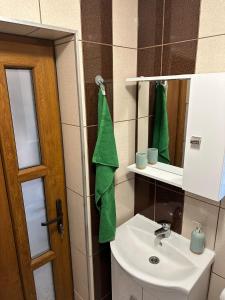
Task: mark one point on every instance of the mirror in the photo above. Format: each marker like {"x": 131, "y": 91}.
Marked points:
{"x": 162, "y": 119}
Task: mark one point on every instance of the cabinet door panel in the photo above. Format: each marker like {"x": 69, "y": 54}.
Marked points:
{"x": 124, "y": 287}
{"x": 203, "y": 165}
{"x": 148, "y": 296}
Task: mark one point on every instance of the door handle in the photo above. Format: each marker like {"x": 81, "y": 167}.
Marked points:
{"x": 59, "y": 218}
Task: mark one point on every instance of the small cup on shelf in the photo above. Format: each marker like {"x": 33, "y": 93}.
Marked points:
{"x": 141, "y": 160}
{"x": 152, "y": 155}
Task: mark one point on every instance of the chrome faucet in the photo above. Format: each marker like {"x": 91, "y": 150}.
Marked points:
{"x": 162, "y": 233}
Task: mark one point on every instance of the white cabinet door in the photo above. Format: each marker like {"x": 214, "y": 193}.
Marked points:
{"x": 203, "y": 165}
{"x": 124, "y": 287}
{"x": 149, "y": 296}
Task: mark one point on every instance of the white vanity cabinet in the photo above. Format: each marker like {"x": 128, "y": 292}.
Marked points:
{"x": 204, "y": 164}
{"x": 123, "y": 286}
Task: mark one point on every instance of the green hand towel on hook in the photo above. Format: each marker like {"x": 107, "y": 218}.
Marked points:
{"x": 161, "y": 126}
{"x": 106, "y": 160}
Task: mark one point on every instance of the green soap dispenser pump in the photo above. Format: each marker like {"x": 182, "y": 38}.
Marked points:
{"x": 197, "y": 240}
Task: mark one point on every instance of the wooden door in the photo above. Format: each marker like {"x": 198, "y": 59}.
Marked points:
{"x": 10, "y": 284}
{"x": 31, "y": 149}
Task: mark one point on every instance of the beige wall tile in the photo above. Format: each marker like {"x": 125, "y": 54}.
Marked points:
{"x": 216, "y": 203}
{"x": 210, "y": 55}
{"x": 143, "y": 99}
{"x": 124, "y": 193}
{"x": 72, "y": 157}
{"x": 77, "y": 296}
{"x": 125, "y": 25}
{"x": 142, "y": 135}
{"x": 219, "y": 266}
{"x": 67, "y": 83}
{"x": 206, "y": 214}
{"x": 212, "y": 19}
{"x": 80, "y": 273}
{"x": 125, "y": 142}
{"x": 75, "y": 205}
{"x": 217, "y": 284}
{"x": 124, "y": 93}
{"x": 20, "y": 9}
{"x": 222, "y": 203}
{"x": 61, "y": 13}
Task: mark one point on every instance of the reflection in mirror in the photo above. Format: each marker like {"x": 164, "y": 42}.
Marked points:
{"x": 162, "y": 115}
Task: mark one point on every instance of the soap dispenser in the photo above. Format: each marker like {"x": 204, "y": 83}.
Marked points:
{"x": 197, "y": 239}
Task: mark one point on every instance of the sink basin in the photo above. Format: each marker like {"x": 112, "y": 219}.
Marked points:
{"x": 178, "y": 268}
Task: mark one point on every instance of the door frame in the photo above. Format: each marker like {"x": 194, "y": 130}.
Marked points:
{"x": 61, "y": 36}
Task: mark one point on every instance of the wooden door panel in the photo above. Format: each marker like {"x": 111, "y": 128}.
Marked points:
{"x": 39, "y": 57}
{"x": 10, "y": 284}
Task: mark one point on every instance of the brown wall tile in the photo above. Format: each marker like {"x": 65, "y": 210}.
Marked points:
{"x": 150, "y": 16}
{"x": 97, "y": 61}
{"x": 144, "y": 196}
{"x": 149, "y": 61}
{"x": 108, "y": 297}
{"x": 181, "y": 20}
{"x": 179, "y": 58}
{"x": 169, "y": 207}
{"x": 102, "y": 274}
{"x": 96, "y": 19}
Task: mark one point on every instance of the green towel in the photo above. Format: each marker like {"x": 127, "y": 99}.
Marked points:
{"x": 106, "y": 160}
{"x": 161, "y": 127}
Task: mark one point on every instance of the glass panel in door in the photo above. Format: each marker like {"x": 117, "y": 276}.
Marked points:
{"x": 34, "y": 204}
{"x": 44, "y": 282}
{"x": 22, "y": 103}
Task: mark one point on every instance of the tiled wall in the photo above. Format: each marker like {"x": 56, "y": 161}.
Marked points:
{"x": 169, "y": 41}
{"x": 186, "y": 37}
{"x": 167, "y": 44}
{"x": 109, "y": 51}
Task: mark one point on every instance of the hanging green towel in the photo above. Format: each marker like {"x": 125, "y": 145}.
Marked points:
{"x": 106, "y": 160}
{"x": 161, "y": 126}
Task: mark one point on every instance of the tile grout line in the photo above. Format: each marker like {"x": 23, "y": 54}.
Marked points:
{"x": 161, "y": 60}
{"x": 217, "y": 225}
{"x": 182, "y": 41}
{"x": 109, "y": 45}
{"x": 74, "y": 191}
{"x": 68, "y": 124}
{"x": 115, "y": 122}
{"x": 118, "y": 183}
{"x": 63, "y": 43}
{"x": 197, "y": 199}
{"x": 218, "y": 275}
{"x": 39, "y": 4}
{"x": 155, "y": 201}
{"x": 199, "y": 15}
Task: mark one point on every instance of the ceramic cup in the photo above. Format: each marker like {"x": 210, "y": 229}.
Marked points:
{"x": 152, "y": 155}
{"x": 141, "y": 160}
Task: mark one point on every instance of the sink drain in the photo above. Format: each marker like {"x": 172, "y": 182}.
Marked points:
{"x": 154, "y": 260}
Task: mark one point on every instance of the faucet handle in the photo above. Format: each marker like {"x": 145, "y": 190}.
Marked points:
{"x": 166, "y": 226}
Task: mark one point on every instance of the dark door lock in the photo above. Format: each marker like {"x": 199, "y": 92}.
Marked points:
{"x": 59, "y": 217}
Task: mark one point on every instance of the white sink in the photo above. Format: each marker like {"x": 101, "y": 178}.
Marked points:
{"x": 178, "y": 268}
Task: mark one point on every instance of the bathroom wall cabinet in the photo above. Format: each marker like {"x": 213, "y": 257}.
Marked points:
{"x": 203, "y": 172}
{"x": 204, "y": 164}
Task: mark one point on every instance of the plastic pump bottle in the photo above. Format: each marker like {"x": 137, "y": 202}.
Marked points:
{"x": 197, "y": 240}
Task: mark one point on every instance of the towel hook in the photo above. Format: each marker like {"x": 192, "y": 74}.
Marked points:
{"x": 100, "y": 82}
